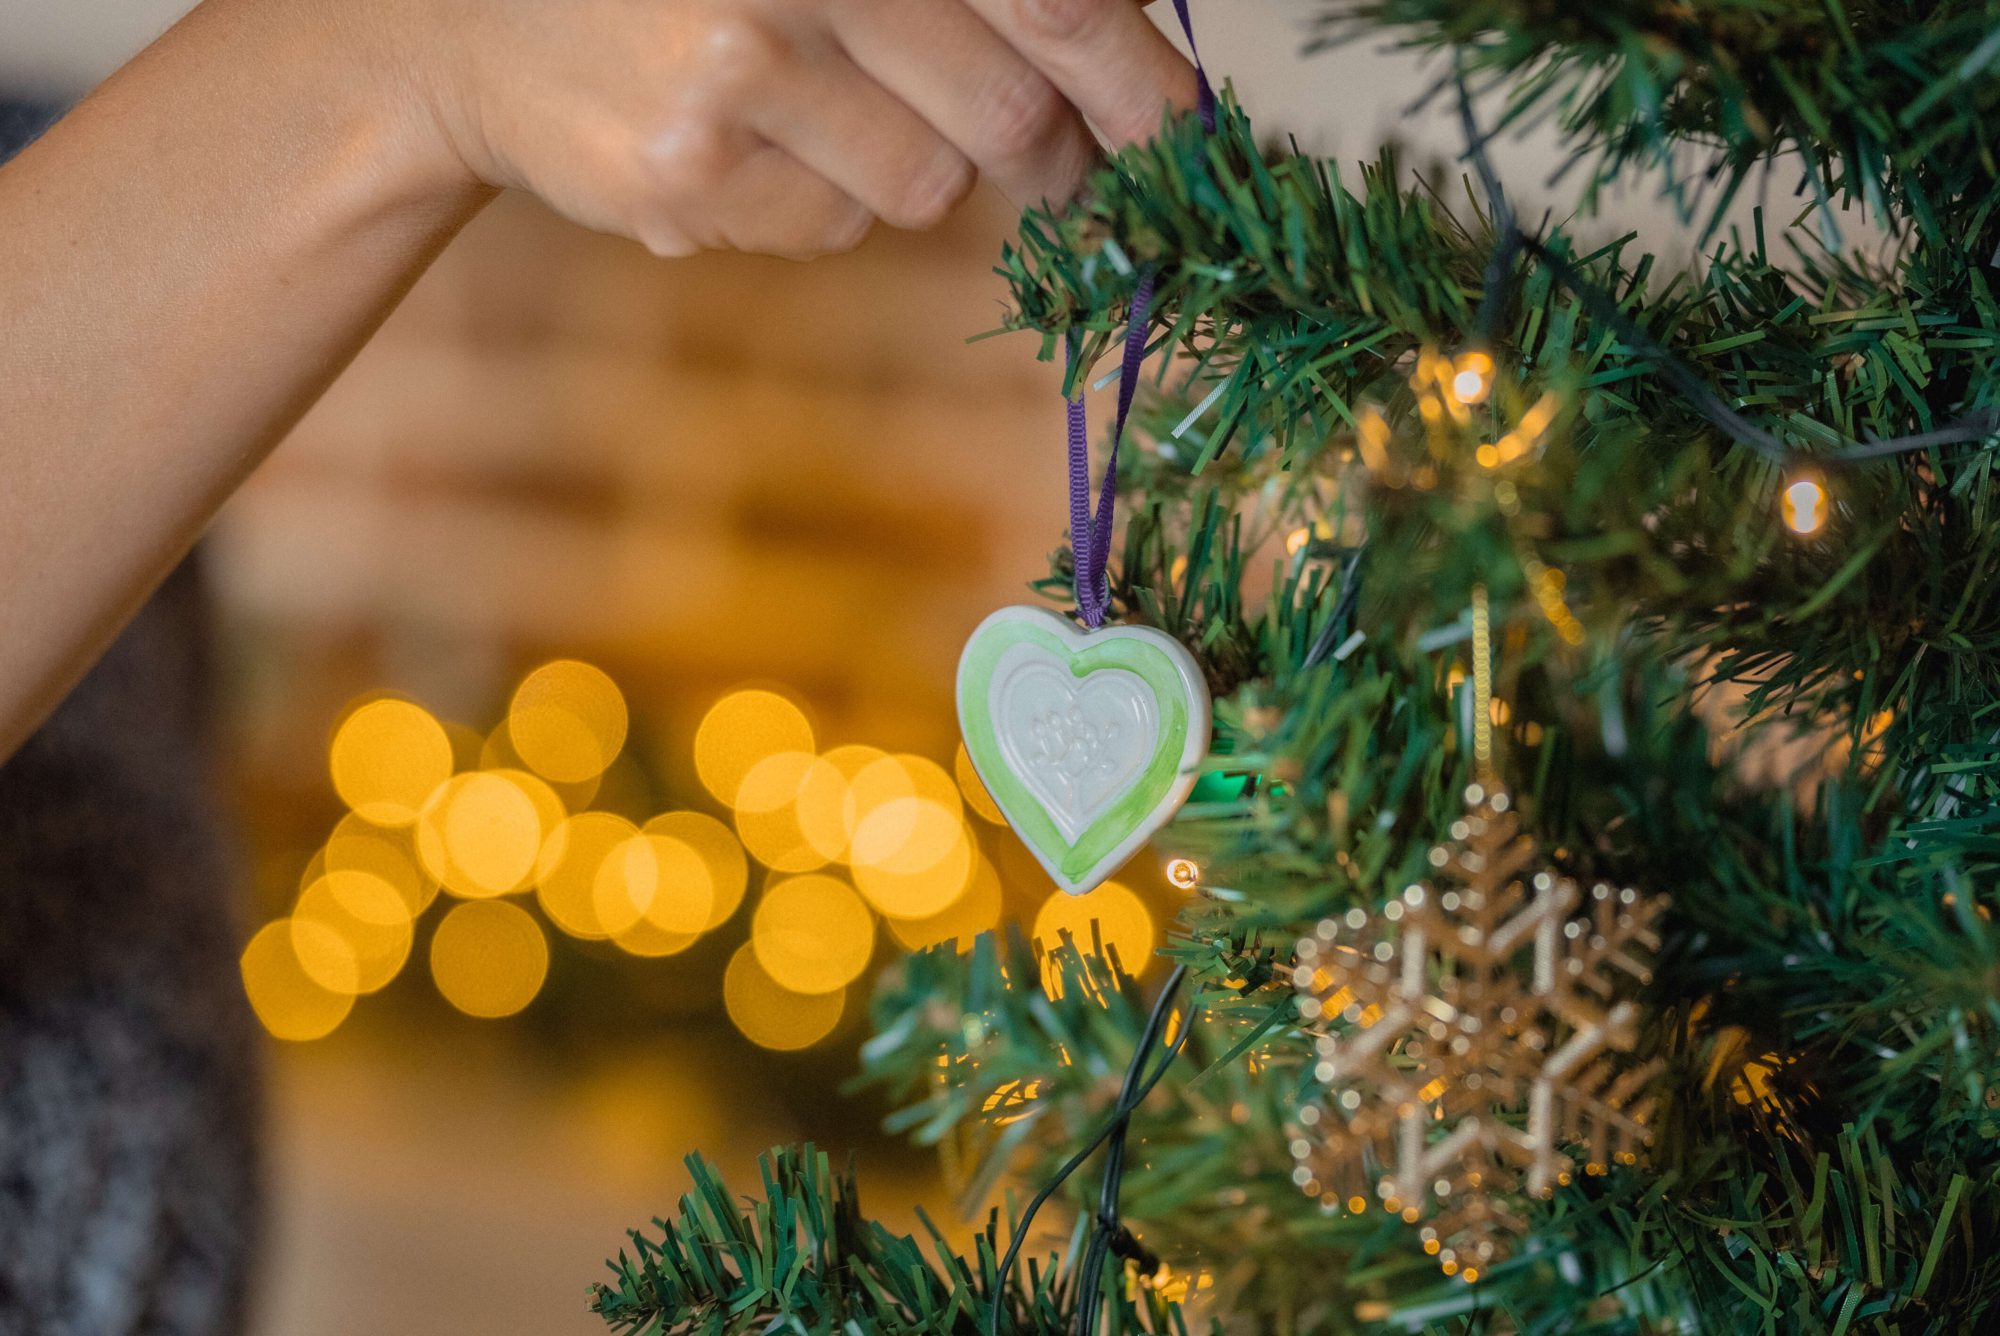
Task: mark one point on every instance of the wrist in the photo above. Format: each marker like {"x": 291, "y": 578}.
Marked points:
{"x": 413, "y": 54}
{"x": 368, "y": 75}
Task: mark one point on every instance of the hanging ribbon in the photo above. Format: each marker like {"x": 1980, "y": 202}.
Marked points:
{"x": 1090, "y": 531}
{"x": 1204, "y": 94}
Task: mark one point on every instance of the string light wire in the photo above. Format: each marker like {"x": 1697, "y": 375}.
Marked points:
{"x": 1130, "y": 1096}
{"x": 1709, "y": 405}
{"x": 1343, "y": 609}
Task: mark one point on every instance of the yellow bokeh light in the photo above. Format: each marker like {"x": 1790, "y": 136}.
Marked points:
{"x": 369, "y": 920}
{"x": 907, "y": 835}
{"x": 928, "y": 780}
{"x": 812, "y": 934}
{"x": 974, "y": 788}
{"x": 742, "y": 729}
{"x": 497, "y": 752}
{"x": 359, "y": 846}
{"x": 1111, "y": 920}
{"x": 1372, "y": 435}
{"x": 550, "y": 818}
{"x": 767, "y": 805}
{"x": 821, "y": 809}
{"x": 882, "y": 780}
{"x": 893, "y": 816}
{"x": 924, "y": 871}
{"x": 488, "y": 958}
{"x": 728, "y": 869}
{"x": 568, "y": 889}
{"x": 1472, "y": 377}
{"x": 568, "y": 721}
{"x": 888, "y": 779}
{"x": 974, "y": 912}
{"x": 655, "y": 879}
{"x": 920, "y": 894}
{"x": 771, "y": 1016}
{"x": 852, "y": 759}
{"x": 1804, "y": 506}
{"x": 645, "y": 938}
{"x": 287, "y": 1000}
{"x": 386, "y": 759}
{"x": 481, "y": 834}
{"x": 1184, "y": 873}
{"x": 627, "y": 880}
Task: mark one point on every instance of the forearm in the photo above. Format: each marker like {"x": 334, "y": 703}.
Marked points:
{"x": 191, "y": 256}
{"x": 195, "y": 252}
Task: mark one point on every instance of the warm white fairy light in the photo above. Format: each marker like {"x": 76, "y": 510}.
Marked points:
{"x": 1804, "y": 505}
{"x": 1472, "y": 377}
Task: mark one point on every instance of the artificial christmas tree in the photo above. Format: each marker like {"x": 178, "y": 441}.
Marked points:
{"x": 1550, "y": 523}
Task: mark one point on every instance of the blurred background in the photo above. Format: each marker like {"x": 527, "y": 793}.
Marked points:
{"x": 586, "y": 664}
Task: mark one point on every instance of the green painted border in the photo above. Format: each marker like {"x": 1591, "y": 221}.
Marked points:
{"x": 1023, "y": 809}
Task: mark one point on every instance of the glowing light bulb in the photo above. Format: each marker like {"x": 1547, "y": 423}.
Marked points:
{"x": 1804, "y": 505}
{"x": 1183, "y": 873}
{"x": 1472, "y": 377}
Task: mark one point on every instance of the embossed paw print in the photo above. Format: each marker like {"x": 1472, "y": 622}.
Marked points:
{"x": 1082, "y": 738}
{"x": 1068, "y": 746}
{"x": 1057, "y": 746}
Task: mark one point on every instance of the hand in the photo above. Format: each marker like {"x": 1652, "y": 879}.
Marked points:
{"x": 258, "y": 188}
{"x": 782, "y": 126}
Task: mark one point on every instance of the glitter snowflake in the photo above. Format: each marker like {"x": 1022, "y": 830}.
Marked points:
{"x": 1469, "y": 1039}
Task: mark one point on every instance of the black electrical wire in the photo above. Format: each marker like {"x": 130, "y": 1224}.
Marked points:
{"x": 1131, "y": 1095}
{"x": 1511, "y": 240}
{"x": 1107, "y": 1229}
{"x": 1343, "y": 609}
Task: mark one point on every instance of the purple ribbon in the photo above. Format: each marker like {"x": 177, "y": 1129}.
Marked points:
{"x": 1204, "y": 94}
{"x": 1090, "y": 533}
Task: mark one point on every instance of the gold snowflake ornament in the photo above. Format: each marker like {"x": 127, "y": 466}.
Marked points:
{"x": 1467, "y": 1039}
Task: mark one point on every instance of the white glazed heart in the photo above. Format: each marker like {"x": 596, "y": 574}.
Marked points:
{"x": 1087, "y": 740}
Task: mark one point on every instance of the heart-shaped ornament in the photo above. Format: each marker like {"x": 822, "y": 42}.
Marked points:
{"x": 1087, "y": 740}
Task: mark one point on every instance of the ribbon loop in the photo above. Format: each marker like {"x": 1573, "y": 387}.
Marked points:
{"x": 1090, "y": 530}
{"x": 1204, "y": 92}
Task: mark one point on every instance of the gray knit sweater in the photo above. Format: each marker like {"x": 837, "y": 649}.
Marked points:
{"x": 128, "y": 1093}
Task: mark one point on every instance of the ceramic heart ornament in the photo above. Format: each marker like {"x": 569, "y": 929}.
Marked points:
{"x": 1087, "y": 740}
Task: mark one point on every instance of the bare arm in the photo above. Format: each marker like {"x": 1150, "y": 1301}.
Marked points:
{"x": 195, "y": 252}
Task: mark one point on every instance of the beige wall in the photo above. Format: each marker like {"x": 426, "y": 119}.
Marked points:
{"x": 59, "y": 47}
{"x": 67, "y": 45}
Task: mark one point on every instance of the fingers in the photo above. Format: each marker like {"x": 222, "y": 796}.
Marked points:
{"x": 950, "y": 67}
{"x": 789, "y": 125}
{"x": 728, "y": 190}
{"x": 845, "y": 126}
{"x": 1105, "y": 56}
{"x": 776, "y": 205}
